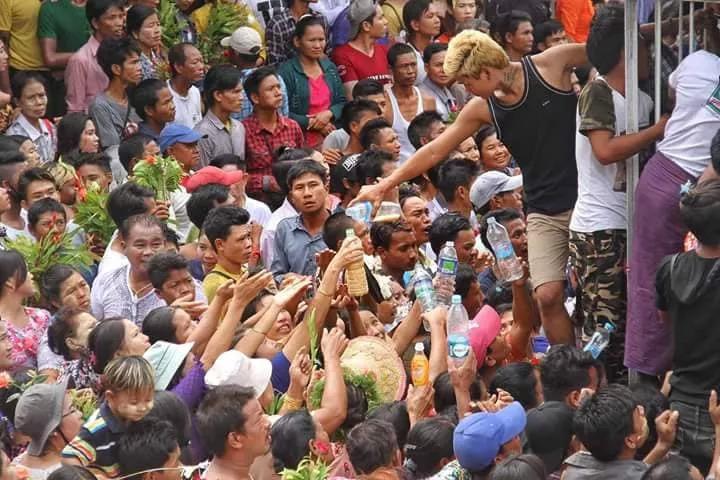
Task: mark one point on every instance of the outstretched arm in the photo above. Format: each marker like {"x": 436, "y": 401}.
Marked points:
{"x": 566, "y": 56}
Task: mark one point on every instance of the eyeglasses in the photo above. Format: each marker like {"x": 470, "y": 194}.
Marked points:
{"x": 72, "y": 411}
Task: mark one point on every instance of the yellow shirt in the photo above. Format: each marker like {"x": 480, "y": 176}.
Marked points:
{"x": 393, "y": 14}
{"x": 20, "y": 18}
{"x": 215, "y": 278}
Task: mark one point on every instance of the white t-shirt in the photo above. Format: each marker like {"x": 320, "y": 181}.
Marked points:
{"x": 696, "y": 117}
{"x": 264, "y": 10}
{"x": 259, "y": 212}
{"x": 601, "y": 203}
{"x": 188, "y": 110}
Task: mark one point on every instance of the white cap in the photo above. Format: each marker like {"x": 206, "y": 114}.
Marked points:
{"x": 236, "y": 368}
{"x": 245, "y": 41}
{"x": 490, "y": 184}
{"x": 419, "y": 347}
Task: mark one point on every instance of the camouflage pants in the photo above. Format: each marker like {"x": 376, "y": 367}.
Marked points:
{"x": 599, "y": 262}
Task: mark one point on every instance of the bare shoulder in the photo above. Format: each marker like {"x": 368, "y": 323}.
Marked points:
{"x": 562, "y": 57}
{"x": 429, "y": 104}
{"x": 476, "y": 110}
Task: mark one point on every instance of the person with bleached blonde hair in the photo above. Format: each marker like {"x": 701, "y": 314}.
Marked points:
{"x": 532, "y": 105}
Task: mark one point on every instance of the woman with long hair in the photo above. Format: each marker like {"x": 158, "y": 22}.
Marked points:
{"x": 143, "y": 25}
{"x": 76, "y": 134}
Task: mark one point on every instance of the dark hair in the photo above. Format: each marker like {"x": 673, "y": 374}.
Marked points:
{"x": 128, "y": 200}
{"x": 370, "y": 165}
{"x": 132, "y": 148}
{"x": 420, "y": 125}
{"x": 546, "y": 29}
{"x": 444, "y": 397}
{"x": 371, "y": 130}
{"x": 203, "y": 200}
{"x": 371, "y": 445}
{"x": 334, "y": 229}
{"x": 519, "y": 467}
{"x": 396, "y": 414}
{"x": 606, "y": 39}
{"x": 401, "y": 48}
{"x": 519, "y": 380}
{"x": 69, "y": 131}
{"x": 169, "y": 407}
{"x": 445, "y": 229}
{"x": 62, "y": 327}
{"x": 508, "y": 23}
{"x": 72, "y": 472}
{"x": 503, "y": 216}
{"x": 221, "y": 413}
{"x": 105, "y": 340}
{"x": 252, "y": 82}
{"x": 381, "y": 232}
{"x": 21, "y": 79}
{"x": 603, "y": 421}
{"x": 715, "y": 152}
{"x": 142, "y": 220}
{"x": 176, "y": 56}
{"x": 432, "y": 49}
{"x": 146, "y": 93}
{"x": 11, "y": 142}
{"x": 94, "y": 9}
{"x": 98, "y": 159}
{"x": 218, "y": 79}
{"x": 366, "y": 87}
{"x": 161, "y": 264}
{"x": 673, "y": 467}
{"x": 654, "y": 403}
{"x": 44, "y": 205}
{"x": 412, "y": 11}
{"x": 115, "y": 51}
{"x": 483, "y": 134}
{"x": 456, "y": 173}
{"x": 354, "y": 109}
{"x": 305, "y": 167}
{"x": 36, "y": 174}
{"x": 563, "y": 370}
{"x": 224, "y": 159}
{"x": 220, "y": 221}
{"x": 158, "y": 325}
{"x": 700, "y": 213}
{"x": 136, "y": 16}
{"x": 146, "y": 445}
{"x": 290, "y": 437}
{"x": 428, "y": 443}
{"x": 464, "y": 278}
{"x": 51, "y": 281}
{"x": 357, "y": 409}
{"x": 308, "y": 21}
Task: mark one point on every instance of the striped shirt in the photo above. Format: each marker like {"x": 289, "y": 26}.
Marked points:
{"x": 95, "y": 446}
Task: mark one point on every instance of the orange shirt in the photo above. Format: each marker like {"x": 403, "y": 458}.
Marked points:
{"x": 575, "y": 16}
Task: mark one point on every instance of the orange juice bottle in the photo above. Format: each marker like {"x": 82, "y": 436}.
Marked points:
{"x": 420, "y": 366}
{"x": 355, "y": 274}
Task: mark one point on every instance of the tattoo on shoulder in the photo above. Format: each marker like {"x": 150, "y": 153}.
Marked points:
{"x": 509, "y": 76}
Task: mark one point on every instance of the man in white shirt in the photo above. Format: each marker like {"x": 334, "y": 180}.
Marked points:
{"x": 187, "y": 68}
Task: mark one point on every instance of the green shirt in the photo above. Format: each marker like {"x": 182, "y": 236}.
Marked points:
{"x": 65, "y": 22}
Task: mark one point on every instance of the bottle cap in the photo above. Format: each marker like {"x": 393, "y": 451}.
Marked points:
{"x": 491, "y": 220}
{"x": 419, "y": 347}
{"x": 349, "y": 232}
{"x": 456, "y": 299}
{"x": 450, "y": 244}
{"x": 609, "y": 327}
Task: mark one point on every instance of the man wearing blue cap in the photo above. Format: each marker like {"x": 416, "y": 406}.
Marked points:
{"x": 182, "y": 143}
{"x": 483, "y": 439}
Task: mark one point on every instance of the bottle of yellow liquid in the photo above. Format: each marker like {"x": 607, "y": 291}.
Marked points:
{"x": 355, "y": 274}
{"x": 420, "y": 366}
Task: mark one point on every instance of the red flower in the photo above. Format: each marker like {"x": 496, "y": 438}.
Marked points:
{"x": 226, "y": 54}
{"x": 30, "y": 344}
{"x": 150, "y": 160}
{"x": 5, "y": 380}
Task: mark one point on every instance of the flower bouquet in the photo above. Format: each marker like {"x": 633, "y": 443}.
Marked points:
{"x": 91, "y": 214}
{"x": 7, "y": 382}
{"x": 161, "y": 174}
{"x": 224, "y": 19}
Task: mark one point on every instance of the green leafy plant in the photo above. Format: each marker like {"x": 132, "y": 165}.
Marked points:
{"x": 307, "y": 469}
{"x": 84, "y": 400}
{"x": 160, "y": 174}
{"x": 364, "y": 382}
{"x": 276, "y": 404}
{"x": 92, "y": 215}
{"x": 6, "y": 381}
{"x": 223, "y": 20}
{"x": 171, "y": 24}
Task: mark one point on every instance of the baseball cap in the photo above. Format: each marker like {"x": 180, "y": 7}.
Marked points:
{"x": 244, "y": 40}
{"x": 236, "y": 368}
{"x": 360, "y": 10}
{"x": 490, "y": 184}
{"x": 175, "y": 133}
{"x": 549, "y": 432}
{"x": 166, "y": 358}
{"x": 478, "y": 438}
{"x": 39, "y": 412}
{"x": 208, "y": 175}
{"x": 486, "y": 329}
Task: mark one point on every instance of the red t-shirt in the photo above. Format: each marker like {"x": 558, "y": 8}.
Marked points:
{"x": 352, "y": 64}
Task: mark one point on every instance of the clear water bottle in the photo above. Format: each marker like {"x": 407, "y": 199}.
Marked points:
{"x": 600, "y": 339}
{"x": 509, "y": 266}
{"x": 355, "y": 274}
{"x": 360, "y": 212}
{"x": 445, "y": 277}
{"x": 424, "y": 291}
{"x": 458, "y": 326}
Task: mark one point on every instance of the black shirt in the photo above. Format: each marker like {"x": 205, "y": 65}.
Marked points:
{"x": 539, "y": 131}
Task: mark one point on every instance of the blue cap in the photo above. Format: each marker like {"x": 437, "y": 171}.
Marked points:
{"x": 175, "y": 133}
{"x": 478, "y": 438}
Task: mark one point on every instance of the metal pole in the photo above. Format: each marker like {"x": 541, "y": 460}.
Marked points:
{"x": 657, "y": 46}
{"x": 631, "y": 107}
{"x": 691, "y": 29}
{"x": 679, "y": 41}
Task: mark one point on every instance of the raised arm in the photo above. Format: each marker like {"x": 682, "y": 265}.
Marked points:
{"x": 333, "y": 406}
{"x": 566, "y": 56}
{"x": 523, "y": 313}
{"x": 408, "y": 329}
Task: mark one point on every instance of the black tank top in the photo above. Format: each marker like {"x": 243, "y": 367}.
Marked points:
{"x": 539, "y": 131}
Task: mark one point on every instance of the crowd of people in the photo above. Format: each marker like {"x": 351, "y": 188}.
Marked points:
{"x": 192, "y": 191}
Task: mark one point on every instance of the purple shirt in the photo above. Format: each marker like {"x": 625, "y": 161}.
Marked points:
{"x": 84, "y": 78}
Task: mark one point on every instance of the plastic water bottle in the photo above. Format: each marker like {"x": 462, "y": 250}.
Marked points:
{"x": 447, "y": 269}
{"x": 458, "y": 326}
{"x": 424, "y": 292}
{"x": 508, "y": 264}
{"x": 360, "y": 212}
{"x": 356, "y": 280}
{"x": 599, "y": 340}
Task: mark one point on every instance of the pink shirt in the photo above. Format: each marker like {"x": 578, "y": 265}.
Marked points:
{"x": 84, "y": 78}
{"x": 320, "y": 100}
